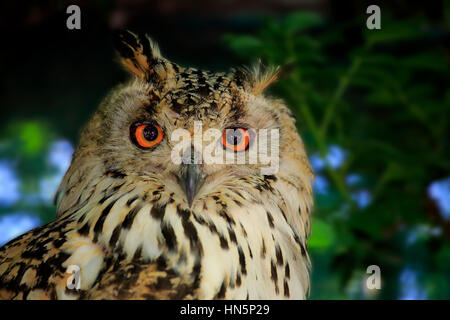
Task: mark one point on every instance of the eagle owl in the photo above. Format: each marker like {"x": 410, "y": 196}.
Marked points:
{"x": 134, "y": 224}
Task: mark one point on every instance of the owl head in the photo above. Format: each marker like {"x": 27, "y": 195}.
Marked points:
{"x": 163, "y": 124}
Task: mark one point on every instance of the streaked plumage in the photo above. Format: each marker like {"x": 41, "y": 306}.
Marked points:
{"x": 124, "y": 218}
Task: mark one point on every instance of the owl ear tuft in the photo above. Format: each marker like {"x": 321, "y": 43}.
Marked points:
{"x": 258, "y": 77}
{"x": 141, "y": 56}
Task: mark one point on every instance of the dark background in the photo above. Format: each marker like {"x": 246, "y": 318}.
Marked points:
{"x": 372, "y": 107}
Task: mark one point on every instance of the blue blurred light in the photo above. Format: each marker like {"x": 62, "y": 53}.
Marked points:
{"x": 410, "y": 289}
{"x": 317, "y": 162}
{"x": 47, "y": 188}
{"x": 336, "y": 156}
{"x": 9, "y": 184}
{"x": 59, "y": 157}
{"x": 352, "y": 179}
{"x": 15, "y": 224}
{"x": 439, "y": 191}
{"x": 362, "y": 198}
{"x": 422, "y": 231}
{"x": 320, "y": 184}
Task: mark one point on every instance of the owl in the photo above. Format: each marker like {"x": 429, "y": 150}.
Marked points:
{"x": 134, "y": 223}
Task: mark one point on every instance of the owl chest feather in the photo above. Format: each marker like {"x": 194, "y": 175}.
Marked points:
{"x": 228, "y": 245}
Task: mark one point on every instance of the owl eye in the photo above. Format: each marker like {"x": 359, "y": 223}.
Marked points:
{"x": 146, "y": 135}
{"x": 236, "y": 139}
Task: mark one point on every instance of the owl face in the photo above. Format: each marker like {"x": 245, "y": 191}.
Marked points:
{"x": 166, "y": 114}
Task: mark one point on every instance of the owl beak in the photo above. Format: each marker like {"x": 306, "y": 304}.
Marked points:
{"x": 191, "y": 179}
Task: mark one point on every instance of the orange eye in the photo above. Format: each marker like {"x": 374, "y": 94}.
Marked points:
{"x": 146, "y": 135}
{"x": 236, "y": 139}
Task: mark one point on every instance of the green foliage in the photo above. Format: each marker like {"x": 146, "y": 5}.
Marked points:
{"x": 323, "y": 235}
{"x": 25, "y": 144}
{"x": 386, "y": 101}
{"x": 31, "y": 136}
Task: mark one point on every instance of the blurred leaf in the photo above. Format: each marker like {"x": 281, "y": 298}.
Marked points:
{"x": 32, "y": 137}
{"x": 322, "y": 235}
{"x": 433, "y": 61}
{"x": 446, "y": 12}
{"x": 305, "y": 43}
{"x": 380, "y": 96}
{"x": 380, "y": 59}
{"x": 442, "y": 258}
{"x": 395, "y": 31}
{"x": 245, "y": 45}
{"x": 299, "y": 21}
